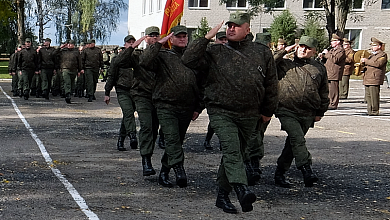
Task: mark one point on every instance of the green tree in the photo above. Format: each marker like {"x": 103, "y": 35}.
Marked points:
{"x": 284, "y": 26}
{"x": 312, "y": 29}
{"x": 8, "y": 26}
{"x": 202, "y": 30}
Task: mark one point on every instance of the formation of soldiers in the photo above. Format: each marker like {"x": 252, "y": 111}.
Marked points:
{"x": 39, "y": 72}
{"x": 241, "y": 83}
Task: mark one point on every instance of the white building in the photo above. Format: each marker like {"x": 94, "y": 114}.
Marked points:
{"x": 367, "y": 19}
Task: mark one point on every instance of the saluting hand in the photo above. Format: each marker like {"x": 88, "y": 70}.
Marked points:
{"x": 213, "y": 31}
{"x": 107, "y": 99}
{"x": 165, "y": 39}
{"x": 138, "y": 42}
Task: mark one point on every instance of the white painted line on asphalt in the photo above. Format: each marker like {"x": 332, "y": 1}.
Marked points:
{"x": 73, "y": 192}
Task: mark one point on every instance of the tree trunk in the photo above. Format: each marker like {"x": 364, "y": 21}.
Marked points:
{"x": 40, "y": 20}
{"x": 20, "y": 12}
{"x": 342, "y": 13}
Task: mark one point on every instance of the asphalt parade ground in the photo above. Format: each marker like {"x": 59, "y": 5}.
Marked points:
{"x": 59, "y": 161}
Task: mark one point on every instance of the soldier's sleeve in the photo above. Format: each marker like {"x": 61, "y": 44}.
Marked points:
{"x": 270, "y": 101}
{"x": 101, "y": 64}
{"x": 335, "y": 56}
{"x": 377, "y": 62}
{"x": 16, "y": 60}
{"x": 148, "y": 59}
{"x": 111, "y": 77}
{"x": 83, "y": 59}
{"x": 194, "y": 56}
{"x": 124, "y": 57}
{"x": 323, "y": 92}
{"x": 20, "y": 61}
{"x": 79, "y": 66}
{"x": 349, "y": 58}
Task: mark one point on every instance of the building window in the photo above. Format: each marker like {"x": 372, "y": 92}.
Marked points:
{"x": 159, "y": 5}
{"x": 198, "y": 3}
{"x": 151, "y": 8}
{"x": 236, "y": 4}
{"x": 311, "y": 4}
{"x": 357, "y": 4}
{"x": 276, "y": 5}
{"x": 385, "y": 4}
{"x": 355, "y": 36}
{"x": 143, "y": 7}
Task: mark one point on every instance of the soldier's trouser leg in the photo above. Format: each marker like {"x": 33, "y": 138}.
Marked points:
{"x": 20, "y": 80}
{"x": 56, "y": 82}
{"x": 26, "y": 79}
{"x": 174, "y": 125}
{"x": 147, "y": 116}
{"x": 15, "y": 81}
{"x": 372, "y": 98}
{"x": 333, "y": 93}
{"x": 295, "y": 146}
{"x": 91, "y": 80}
{"x": 387, "y": 76}
{"x": 35, "y": 82}
{"x": 46, "y": 77}
{"x": 234, "y": 134}
{"x": 255, "y": 146}
{"x": 69, "y": 79}
{"x": 344, "y": 86}
{"x": 81, "y": 82}
{"x": 128, "y": 107}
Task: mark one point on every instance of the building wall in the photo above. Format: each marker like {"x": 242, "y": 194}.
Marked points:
{"x": 373, "y": 21}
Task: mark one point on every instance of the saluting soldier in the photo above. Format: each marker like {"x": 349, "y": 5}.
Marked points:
{"x": 240, "y": 88}
{"x": 176, "y": 97}
{"x": 80, "y": 81}
{"x": 374, "y": 75}
{"x": 92, "y": 64}
{"x": 348, "y": 68}
{"x": 47, "y": 58}
{"x": 303, "y": 100}
{"x": 335, "y": 61}
{"x": 28, "y": 66}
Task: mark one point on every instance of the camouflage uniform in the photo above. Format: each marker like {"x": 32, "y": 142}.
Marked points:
{"x": 92, "y": 62}
{"x": 27, "y": 63}
{"x": 11, "y": 70}
{"x": 70, "y": 65}
{"x": 47, "y": 58}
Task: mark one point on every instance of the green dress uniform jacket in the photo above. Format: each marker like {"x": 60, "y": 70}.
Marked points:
{"x": 335, "y": 61}
{"x": 349, "y": 62}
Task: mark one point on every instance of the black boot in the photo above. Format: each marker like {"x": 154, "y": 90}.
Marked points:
{"x": 245, "y": 197}
{"x": 76, "y": 93}
{"x": 26, "y": 95}
{"x": 133, "y": 140}
{"x": 207, "y": 145}
{"x": 252, "y": 176}
{"x": 33, "y": 92}
{"x": 147, "y": 166}
{"x": 280, "y": 179}
{"x": 308, "y": 176}
{"x": 163, "y": 178}
{"x": 45, "y": 94}
{"x": 181, "y": 177}
{"x": 89, "y": 98}
{"x": 38, "y": 94}
{"x": 15, "y": 93}
{"x": 120, "y": 144}
{"x": 255, "y": 161}
{"x": 20, "y": 93}
{"x": 63, "y": 95}
{"x": 161, "y": 142}
{"x": 93, "y": 97}
{"x": 67, "y": 98}
{"x": 224, "y": 203}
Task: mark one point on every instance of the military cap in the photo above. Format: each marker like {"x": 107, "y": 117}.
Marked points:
{"x": 282, "y": 41}
{"x": 129, "y": 37}
{"x": 264, "y": 38}
{"x": 346, "y": 41}
{"x": 27, "y": 40}
{"x": 152, "y": 29}
{"x": 336, "y": 37}
{"x": 71, "y": 42}
{"x": 19, "y": 45}
{"x": 48, "y": 40}
{"x": 239, "y": 18}
{"x": 221, "y": 34}
{"x": 308, "y": 41}
{"x": 82, "y": 44}
{"x": 375, "y": 42}
{"x": 91, "y": 41}
{"x": 179, "y": 29}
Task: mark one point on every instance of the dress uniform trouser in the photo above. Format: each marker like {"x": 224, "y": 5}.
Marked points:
{"x": 147, "y": 116}
{"x": 234, "y": 134}
{"x": 372, "y": 98}
{"x": 174, "y": 124}
{"x": 296, "y": 127}
{"x": 344, "y": 86}
{"x": 128, "y": 107}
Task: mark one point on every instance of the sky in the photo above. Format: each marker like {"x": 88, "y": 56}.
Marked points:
{"x": 116, "y": 37}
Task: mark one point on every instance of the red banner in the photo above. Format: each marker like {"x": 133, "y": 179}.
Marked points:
{"x": 172, "y": 14}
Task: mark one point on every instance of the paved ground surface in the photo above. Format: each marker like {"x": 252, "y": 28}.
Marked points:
{"x": 351, "y": 154}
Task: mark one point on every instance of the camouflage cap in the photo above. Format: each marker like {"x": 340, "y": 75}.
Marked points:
{"x": 152, "y": 29}
{"x": 221, "y": 34}
{"x": 48, "y": 40}
{"x": 375, "y": 42}
{"x": 82, "y": 44}
{"x": 91, "y": 41}
{"x": 179, "y": 29}
{"x": 239, "y": 18}
{"x": 129, "y": 37}
{"x": 308, "y": 41}
{"x": 27, "y": 40}
{"x": 71, "y": 42}
{"x": 264, "y": 38}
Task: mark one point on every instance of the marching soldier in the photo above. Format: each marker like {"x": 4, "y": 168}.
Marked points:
{"x": 92, "y": 64}
{"x": 240, "y": 88}
{"x": 47, "y": 56}
{"x": 374, "y": 75}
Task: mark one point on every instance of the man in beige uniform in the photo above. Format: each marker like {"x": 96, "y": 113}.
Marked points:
{"x": 348, "y": 69}
{"x": 374, "y": 75}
